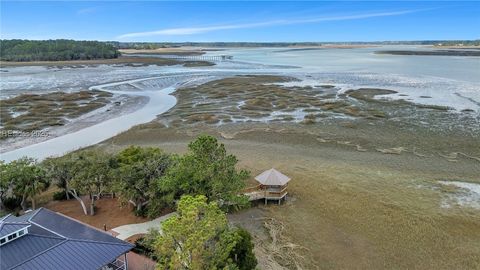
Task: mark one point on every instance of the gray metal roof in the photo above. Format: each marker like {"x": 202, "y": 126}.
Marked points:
{"x": 24, "y": 248}
{"x": 70, "y": 228}
{"x": 23, "y": 218}
{"x": 7, "y": 228}
{"x": 74, "y": 254}
{"x": 55, "y": 242}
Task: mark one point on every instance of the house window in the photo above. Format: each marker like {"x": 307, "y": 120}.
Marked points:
{"x": 12, "y": 236}
{"x": 20, "y": 233}
{"x": 2, "y": 241}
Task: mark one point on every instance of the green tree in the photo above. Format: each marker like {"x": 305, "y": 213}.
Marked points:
{"x": 197, "y": 238}
{"x": 139, "y": 169}
{"x": 242, "y": 253}
{"x": 5, "y": 182}
{"x": 61, "y": 171}
{"x": 55, "y": 50}
{"x": 208, "y": 170}
{"x": 28, "y": 180}
{"x": 93, "y": 175}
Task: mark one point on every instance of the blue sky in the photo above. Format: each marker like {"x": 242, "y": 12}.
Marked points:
{"x": 170, "y": 21}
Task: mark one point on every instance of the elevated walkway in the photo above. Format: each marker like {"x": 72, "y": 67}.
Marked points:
{"x": 211, "y": 58}
{"x": 257, "y": 193}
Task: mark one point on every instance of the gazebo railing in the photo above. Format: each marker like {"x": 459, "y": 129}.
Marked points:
{"x": 275, "y": 194}
{"x": 252, "y": 189}
{"x": 256, "y": 193}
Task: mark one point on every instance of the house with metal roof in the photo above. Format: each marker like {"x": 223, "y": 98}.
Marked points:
{"x": 43, "y": 239}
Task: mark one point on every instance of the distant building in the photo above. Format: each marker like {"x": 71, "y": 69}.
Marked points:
{"x": 43, "y": 239}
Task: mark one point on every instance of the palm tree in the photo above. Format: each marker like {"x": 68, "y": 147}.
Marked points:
{"x": 35, "y": 186}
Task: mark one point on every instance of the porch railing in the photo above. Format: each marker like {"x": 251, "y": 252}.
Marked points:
{"x": 115, "y": 265}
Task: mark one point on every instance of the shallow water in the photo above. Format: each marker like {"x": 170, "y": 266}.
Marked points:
{"x": 470, "y": 197}
{"x": 446, "y": 80}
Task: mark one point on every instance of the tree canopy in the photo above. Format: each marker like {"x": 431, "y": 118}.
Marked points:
{"x": 93, "y": 174}
{"x": 199, "y": 238}
{"x": 61, "y": 171}
{"x": 25, "y": 179}
{"x": 139, "y": 169}
{"x": 55, "y": 50}
{"x": 87, "y": 172}
{"x": 208, "y": 170}
{"x": 146, "y": 177}
{"x": 5, "y": 183}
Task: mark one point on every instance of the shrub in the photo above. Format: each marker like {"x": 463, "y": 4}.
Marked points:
{"x": 242, "y": 254}
{"x": 59, "y": 196}
{"x": 12, "y": 203}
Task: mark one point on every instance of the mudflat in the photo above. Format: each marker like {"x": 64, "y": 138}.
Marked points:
{"x": 444, "y": 52}
{"x": 366, "y": 190}
{"x": 180, "y": 51}
{"x": 128, "y": 60}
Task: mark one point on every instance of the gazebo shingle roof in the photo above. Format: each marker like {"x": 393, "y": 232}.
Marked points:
{"x": 272, "y": 177}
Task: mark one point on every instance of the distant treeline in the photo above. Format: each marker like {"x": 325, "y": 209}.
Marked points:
{"x": 55, "y": 50}
{"x": 156, "y": 45}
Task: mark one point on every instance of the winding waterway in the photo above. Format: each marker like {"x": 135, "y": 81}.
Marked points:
{"x": 159, "y": 102}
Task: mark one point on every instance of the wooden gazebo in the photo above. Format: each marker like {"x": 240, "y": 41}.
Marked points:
{"x": 272, "y": 186}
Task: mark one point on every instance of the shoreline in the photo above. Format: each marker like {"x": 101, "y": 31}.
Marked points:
{"x": 437, "y": 52}
{"x": 153, "y": 100}
{"x": 129, "y": 104}
{"x": 158, "y": 102}
{"x": 179, "y": 51}
{"x": 129, "y": 60}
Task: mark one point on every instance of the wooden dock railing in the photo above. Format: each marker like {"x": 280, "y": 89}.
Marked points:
{"x": 212, "y": 58}
{"x": 257, "y": 193}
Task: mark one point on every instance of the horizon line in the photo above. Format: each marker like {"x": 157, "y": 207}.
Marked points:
{"x": 292, "y": 41}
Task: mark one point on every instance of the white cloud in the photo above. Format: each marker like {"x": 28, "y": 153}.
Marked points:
{"x": 87, "y": 10}
{"x": 199, "y": 30}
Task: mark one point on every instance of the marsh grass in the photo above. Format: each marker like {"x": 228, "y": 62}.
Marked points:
{"x": 198, "y": 64}
{"x": 262, "y": 98}
{"x": 349, "y": 209}
{"x": 120, "y": 61}
{"x": 30, "y": 112}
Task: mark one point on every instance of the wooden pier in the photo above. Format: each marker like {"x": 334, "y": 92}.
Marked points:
{"x": 210, "y": 58}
